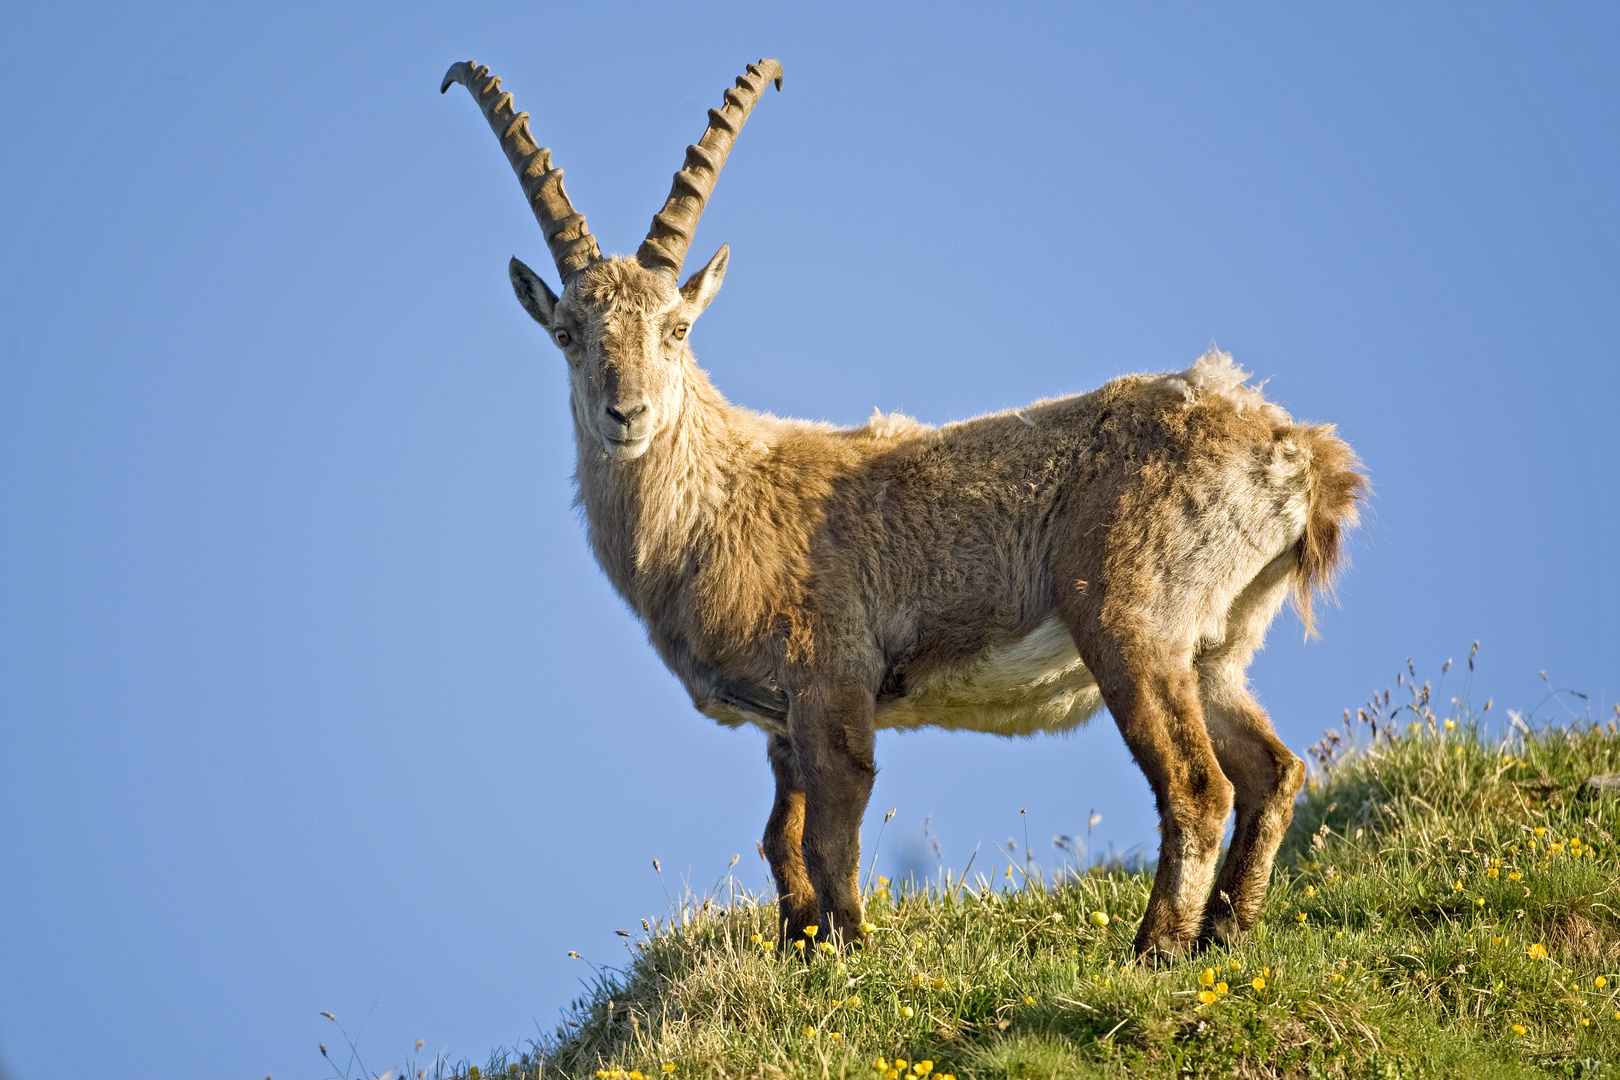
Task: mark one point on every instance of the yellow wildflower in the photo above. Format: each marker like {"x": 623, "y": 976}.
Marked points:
{"x": 1496, "y": 940}
{"x": 880, "y": 1064}
{"x": 1585, "y": 1022}
{"x": 1456, "y": 886}
{"x": 1479, "y": 901}
{"x": 1538, "y": 951}
{"x": 799, "y": 944}
{"x": 1514, "y": 875}
{"x": 835, "y": 1036}
{"x": 812, "y": 930}
{"x": 907, "y": 1011}
{"x": 1259, "y": 982}
{"x": 923, "y": 1067}
{"x": 1235, "y": 966}
{"x": 1206, "y": 977}
{"x": 758, "y": 940}
{"x": 868, "y": 928}
{"x": 939, "y": 984}
{"x": 901, "y": 1063}
{"x": 1310, "y": 891}
{"x": 809, "y": 1032}
{"x": 1221, "y": 988}
{"x": 1492, "y": 872}
{"x": 1206, "y": 997}
{"x": 1541, "y": 830}
{"x": 854, "y": 1001}
{"x": 669, "y": 1066}
{"x": 1301, "y": 917}
{"x": 1099, "y": 918}
{"x": 1451, "y": 725}
{"x": 1518, "y": 1029}
{"x": 1600, "y": 982}
{"x": 1028, "y": 1000}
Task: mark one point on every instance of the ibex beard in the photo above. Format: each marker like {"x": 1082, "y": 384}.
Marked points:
{"x": 1125, "y": 548}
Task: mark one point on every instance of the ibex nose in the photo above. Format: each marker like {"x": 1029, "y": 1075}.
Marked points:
{"x": 626, "y": 414}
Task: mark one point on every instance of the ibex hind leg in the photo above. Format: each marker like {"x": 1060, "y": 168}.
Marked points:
{"x": 1152, "y": 693}
{"x": 783, "y": 844}
{"x": 1265, "y": 774}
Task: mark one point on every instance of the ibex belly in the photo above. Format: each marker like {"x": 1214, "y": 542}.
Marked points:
{"x": 1037, "y": 683}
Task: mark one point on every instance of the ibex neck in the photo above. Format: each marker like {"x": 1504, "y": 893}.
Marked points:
{"x": 642, "y": 514}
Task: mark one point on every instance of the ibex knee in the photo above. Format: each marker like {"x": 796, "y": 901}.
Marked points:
{"x": 1290, "y": 776}
{"x": 1210, "y": 804}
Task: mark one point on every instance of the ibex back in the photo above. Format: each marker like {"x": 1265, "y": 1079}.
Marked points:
{"x": 1124, "y": 548}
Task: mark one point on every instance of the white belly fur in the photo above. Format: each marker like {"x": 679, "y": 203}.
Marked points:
{"x": 1035, "y": 684}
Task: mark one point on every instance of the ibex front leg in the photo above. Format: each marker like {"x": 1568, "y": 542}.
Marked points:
{"x": 784, "y": 838}
{"x": 830, "y": 725}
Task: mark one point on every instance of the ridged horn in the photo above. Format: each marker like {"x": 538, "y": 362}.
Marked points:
{"x": 664, "y": 250}
{"x": 572, "y": 246}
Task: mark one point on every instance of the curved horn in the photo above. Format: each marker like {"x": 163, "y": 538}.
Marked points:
{"x": 665, "y": 247}
{"x": 572, "y": 246}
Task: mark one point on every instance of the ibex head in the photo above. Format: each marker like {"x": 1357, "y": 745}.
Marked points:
{"x": 622, "y": 323}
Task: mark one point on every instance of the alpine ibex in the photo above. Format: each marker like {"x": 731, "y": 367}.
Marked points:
{"x": 1008, "y": 574}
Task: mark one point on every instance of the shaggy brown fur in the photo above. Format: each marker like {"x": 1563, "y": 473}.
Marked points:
{"x": 1126, "y": 547}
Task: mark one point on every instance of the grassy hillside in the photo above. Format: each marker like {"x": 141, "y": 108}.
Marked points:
{"x": 1444, "y": 907}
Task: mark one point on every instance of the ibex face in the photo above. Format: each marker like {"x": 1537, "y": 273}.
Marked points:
{"x": 622, "y": 323}
{"x": 623, "y": 329}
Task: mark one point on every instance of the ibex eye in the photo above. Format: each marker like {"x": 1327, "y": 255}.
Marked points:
{"x": 563, "y": 337}
{"x": 680, "y": 331}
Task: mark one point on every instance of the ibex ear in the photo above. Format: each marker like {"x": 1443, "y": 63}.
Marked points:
{"x": 533, "y": 293}
{"x": 701, "y": 286}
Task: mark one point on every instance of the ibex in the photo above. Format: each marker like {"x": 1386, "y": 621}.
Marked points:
{"x": 1007, "y": 574}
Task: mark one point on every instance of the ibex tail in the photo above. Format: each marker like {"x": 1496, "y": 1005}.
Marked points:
{"x": 1337, "y": 486}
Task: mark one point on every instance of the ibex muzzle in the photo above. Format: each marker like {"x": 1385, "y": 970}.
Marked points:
{"x": 1007, "y": 574}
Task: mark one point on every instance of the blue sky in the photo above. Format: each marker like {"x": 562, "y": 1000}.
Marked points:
{"x": 310, "y": 694}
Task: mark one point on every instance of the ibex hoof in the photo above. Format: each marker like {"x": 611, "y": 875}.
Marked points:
{"x": 1224, "y": 931}
{"x": 1160, "y": 950}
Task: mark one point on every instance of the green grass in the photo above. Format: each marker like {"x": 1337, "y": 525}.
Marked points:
{"x": 1443, "y": 908}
